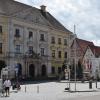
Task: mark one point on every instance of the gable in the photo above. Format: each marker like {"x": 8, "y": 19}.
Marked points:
{"x": 32, "y": 15}
{"x": 88, "y": 53}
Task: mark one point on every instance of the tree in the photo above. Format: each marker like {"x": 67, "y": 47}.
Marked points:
{"x": 79, "y": 70}
{"x": 72, "y": 71}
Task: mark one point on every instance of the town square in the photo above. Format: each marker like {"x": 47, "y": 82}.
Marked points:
{"x": 49, "y": 53}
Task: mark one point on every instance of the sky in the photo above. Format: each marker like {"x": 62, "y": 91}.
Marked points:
{"x": 84, "y": 14}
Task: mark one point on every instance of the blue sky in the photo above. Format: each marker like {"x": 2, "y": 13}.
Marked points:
{"x": 85, "y": 14}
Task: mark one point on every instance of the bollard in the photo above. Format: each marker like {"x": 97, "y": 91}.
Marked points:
{"x": 25, "y": 88}
{"x": 38, "y": 89}
{"x": 90, "y": 84}
{"x": 96, "y": 83}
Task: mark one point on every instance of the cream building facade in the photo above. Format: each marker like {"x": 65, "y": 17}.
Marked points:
{"x": 26, "y": 40}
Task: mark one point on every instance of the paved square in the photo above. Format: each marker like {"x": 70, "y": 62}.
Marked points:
{"x": 53, "y": 91}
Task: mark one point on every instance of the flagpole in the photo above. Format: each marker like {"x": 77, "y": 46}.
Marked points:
{"x": 75, "y": 56}
{"x": 96, "y": 72}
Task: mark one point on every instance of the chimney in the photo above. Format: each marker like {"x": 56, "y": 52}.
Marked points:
{"x": 43, "y": 8}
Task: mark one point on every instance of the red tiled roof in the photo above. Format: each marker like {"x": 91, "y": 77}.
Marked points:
{"x": 95, "y": 50}
{"x": 83, "y": 44}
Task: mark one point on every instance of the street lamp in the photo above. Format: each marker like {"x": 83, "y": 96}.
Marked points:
{"x": 68, "y": 70}
{"x": 75, "y": 53}
{"x": 96, "y": 77}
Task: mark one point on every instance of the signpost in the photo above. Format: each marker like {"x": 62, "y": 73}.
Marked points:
{"x": 67, "y": 77}
{"x": 66, "y": 74}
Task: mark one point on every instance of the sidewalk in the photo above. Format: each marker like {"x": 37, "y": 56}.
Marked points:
{"x": 81, "y": 87}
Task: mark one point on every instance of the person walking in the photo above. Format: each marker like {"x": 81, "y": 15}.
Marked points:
{"x": 7, "y": 85}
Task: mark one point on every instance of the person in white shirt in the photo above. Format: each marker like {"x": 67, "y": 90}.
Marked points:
{"x": 7, "y": 85}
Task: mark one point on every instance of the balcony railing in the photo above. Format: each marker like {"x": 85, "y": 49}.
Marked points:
{"x": 28, "y": 56}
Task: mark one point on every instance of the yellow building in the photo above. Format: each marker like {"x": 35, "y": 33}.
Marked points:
{"x": 59, "y": 47}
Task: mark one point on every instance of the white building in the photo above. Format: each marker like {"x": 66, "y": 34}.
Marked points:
{"x": 91, "y": 62}
{"x": 27, "y": 38}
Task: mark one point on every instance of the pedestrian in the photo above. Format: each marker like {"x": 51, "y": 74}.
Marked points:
{"x": 7, "y": 84}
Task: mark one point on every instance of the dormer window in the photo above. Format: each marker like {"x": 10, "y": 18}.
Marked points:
{"x": 17, "y": 33}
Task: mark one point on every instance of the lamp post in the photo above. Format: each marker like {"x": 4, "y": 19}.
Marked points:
{"x": 96, "y": 77}
{"x": 75, "y": 56}
{"x": 68, "y": 68}
{"x": 25, "y": 65}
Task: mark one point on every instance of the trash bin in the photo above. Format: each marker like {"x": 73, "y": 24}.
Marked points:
{"x": 90, "y": 84}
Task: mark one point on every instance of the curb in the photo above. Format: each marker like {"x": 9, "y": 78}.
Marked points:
{"x": 71, "y": 91}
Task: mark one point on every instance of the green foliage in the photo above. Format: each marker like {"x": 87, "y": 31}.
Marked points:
{"x": 72, "y": 71}
{"x": 79, "y": 70}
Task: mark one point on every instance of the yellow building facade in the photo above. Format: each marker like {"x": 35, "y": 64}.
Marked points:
{"x": 59, "y": 47}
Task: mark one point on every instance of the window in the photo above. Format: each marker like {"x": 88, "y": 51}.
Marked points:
{"x": 0, "y": 47}
{"x": 59, "y": 70}
{"x": 42, "y": 51}
{"x": 30, "y": 34}
{"x": 53, "y": 53}
{"x": 30, "y": 49}
{"x": 65, "y": 55}
{"x": 0, "y": 29}
{"x": 17, "y": 33}
{"x": 53, "y": 40}
{"x": 17, "y": 48}
{"x": 59, "y": 54}
{"x": 59, "y": 40}
{"x": 41, "y": 37}
{"x": 53, "y": 70}
{"x": 65, "y": 41}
